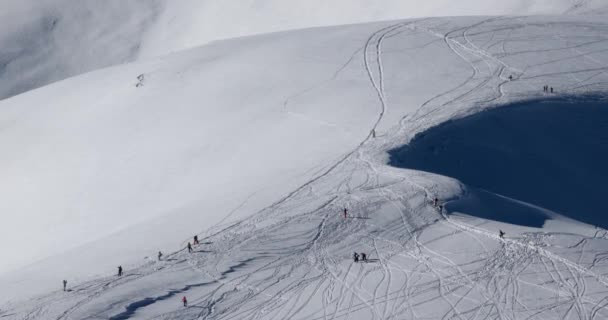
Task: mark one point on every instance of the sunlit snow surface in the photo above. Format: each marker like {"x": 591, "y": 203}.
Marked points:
{"x": 258, "y": 144}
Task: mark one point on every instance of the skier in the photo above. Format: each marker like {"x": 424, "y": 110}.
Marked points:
{"x": 189, "y": 248}
{"x": 363, "y": 257}
{"x": 195, "y": 240}
{"x": 373, "y": 133}
{"x": 501, "y": 234}
{"x": 356, "y": 257}
{"x": 119, "y": 271}
{"x": 345, "y": 213}
{"x": 185, "y": 301}
{"x": 65, "y": 284}
{"x": 435, "y": 202}
{"x": 510, "y": 77}
{"x": 160, "y": 255}
{"x": 551, "y": 89}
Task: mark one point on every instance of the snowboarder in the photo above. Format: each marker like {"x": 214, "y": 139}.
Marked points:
{"x": 363, "y": 257}
{"x": 160, "y": 255}
{"x": 65, "y": 284}
{"x": 356, "y": 257}
{"x": 195, "y": 240}
{"x": 501, "y": 234}
{"x": 185, "y": 301}
{"x": 345, "y": 213}
{"x": 189, "y": 248}
{"x": 119, "y": 271}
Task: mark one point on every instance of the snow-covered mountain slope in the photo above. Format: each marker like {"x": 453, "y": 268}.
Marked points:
{"x": 257, "y": 145}
{"x": 42, "y": 41}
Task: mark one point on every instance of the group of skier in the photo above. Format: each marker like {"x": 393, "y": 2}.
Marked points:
{"x": 547, "y": 89}
{"x": 356, "y": 257}
{"x": 189, "y": 246}
{"x": 160, "y": 256}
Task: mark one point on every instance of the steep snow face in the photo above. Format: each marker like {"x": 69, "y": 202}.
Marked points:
{"x": 256, "y": 145}
{"x": 49, "y": 40}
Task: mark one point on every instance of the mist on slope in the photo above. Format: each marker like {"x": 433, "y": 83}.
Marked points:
{"x": 45, "y": 41}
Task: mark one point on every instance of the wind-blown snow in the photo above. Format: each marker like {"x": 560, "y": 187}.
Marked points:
{"x": 42, "y": 41}
{"x": 257, "y": 144}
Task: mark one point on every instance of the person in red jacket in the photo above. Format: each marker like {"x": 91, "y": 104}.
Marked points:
{"x": 185, "y": 301}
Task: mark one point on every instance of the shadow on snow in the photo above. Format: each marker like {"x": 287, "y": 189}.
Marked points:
{"x": 551, "y": 154}
{"x": 131, "y": 308}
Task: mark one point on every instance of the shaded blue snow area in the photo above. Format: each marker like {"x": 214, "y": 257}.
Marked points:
{"x": 551, "y": 154}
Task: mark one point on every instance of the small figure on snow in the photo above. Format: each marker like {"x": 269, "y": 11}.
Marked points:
{"x": 551, "y": 89}
{"x": 501, "y": 234}
{"x": 185, "y": 301}
{"x": 435, "y": 202}
{"x": 511, "y": 77}
{"x": 119, "y": 271}
{"x": 65, "y": 284}
{"x": 356, "y": 257}
{"x": 363, "y": 257}
{"x": 345, "y": 213}
{"x": 189, "y": 248}
{"x": 160, "y": 255}
{"x": 373, "y": 133}
{"x": 140, "y": 80}
{"x": 195, "y": 240}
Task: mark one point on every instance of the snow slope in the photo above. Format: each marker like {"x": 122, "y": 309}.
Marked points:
{"x": 42, "y": 41}
{"x": 257, "y": 144}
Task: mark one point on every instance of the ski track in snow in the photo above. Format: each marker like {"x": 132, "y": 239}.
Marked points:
{"x": 291, "y": 260}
